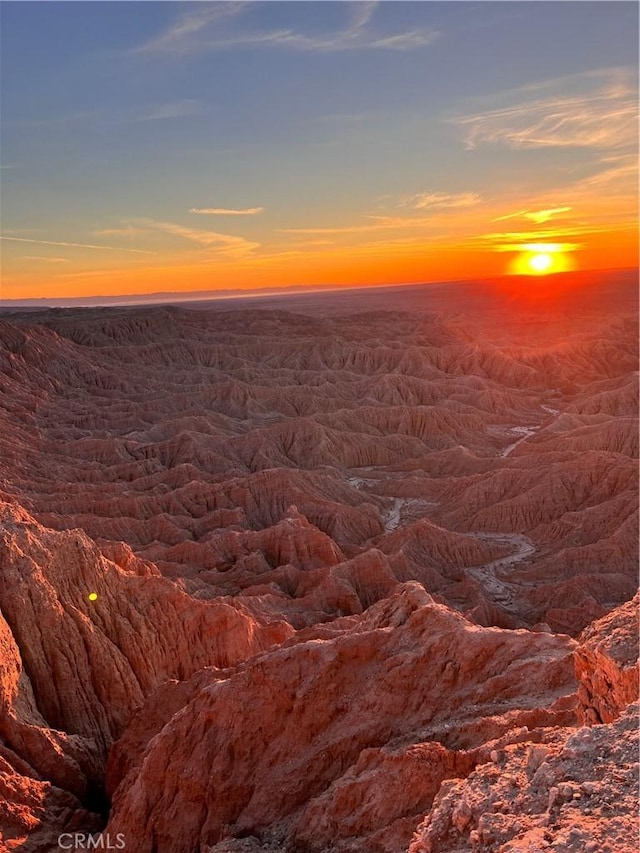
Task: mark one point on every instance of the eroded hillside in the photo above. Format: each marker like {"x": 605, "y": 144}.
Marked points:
{"x": 338, "y": 555}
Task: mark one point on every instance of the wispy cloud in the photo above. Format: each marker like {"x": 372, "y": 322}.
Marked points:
{"x": 618, "y": 171}
{"x": 507, "y": 240}
{"x": 537, "y": 247}
{"x": 422, "y": 201}
{"x": 346, "y": 229}
{"x": 54, "y": 120}
{"x": 599, "y": 110}
{"x": 102, "y": 117}
{"x": 42, "y": 258}
{"x": 215, "y": 28}
{"x": 376, "y": 223}
{"x": 594, "y": 111}
{"x": 537, "y": 216}
{"x": 171, "y": 109}
{"x": 76, "y": 245}
{"x": 179, "y": 36}
{"x": 227, "y": 244}
{"x": 127, "y": 231}
{"x": 226, "y": 211}
{"x": 305, "y": 243}
{"x": 438, "y": 202}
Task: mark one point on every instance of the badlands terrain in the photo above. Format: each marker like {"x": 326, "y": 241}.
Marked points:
{"x": 346, "y": 572}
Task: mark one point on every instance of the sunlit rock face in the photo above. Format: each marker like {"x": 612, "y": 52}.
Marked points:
{"x": 285, "y": 576}
{"x": 572, "y": 789}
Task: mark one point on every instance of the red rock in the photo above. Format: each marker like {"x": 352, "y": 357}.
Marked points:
{"x": 310, "y": 709}
{"x": 607, "y": 665}
{"x": 72, "y": 670}
{"x": 513, "y": 813}
{"x": 231, "y": 480}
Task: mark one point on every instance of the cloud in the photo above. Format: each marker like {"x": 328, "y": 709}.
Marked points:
{"x": 101, "y": 117}
{"x": 406, "y": 41}
{"x": 52, "y": 121}
{"x": 593, "y": 110}
{"x": 418, "y": 201}
{"x": 537, "y": 216}
{"x": 208, "y": 29}
{"x": 182, "y": 31}
{"x": 227, "y": 244}
{"x": 348, "y": 229}
{"x": 507, "y": 241}
{"x": 76, "y": 245}
{"x": 128, "y": 231}
{"x": 617, "y": 172}
{"x": 377, "y": 223}
{"x": 422, "y": 201}
{"x": 225, "y": 211}
{"x": 42, "y": 258}
{"x": 171, "y": 109}
{"x": 537, "y": 247}
{"x": 316, "y": 243}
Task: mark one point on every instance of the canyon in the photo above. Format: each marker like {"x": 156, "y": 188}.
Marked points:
{"x": 349, "y": 571}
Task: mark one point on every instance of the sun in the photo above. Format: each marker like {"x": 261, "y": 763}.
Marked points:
{"x": 541, "y": 263}
{"x": 542, "y": 259}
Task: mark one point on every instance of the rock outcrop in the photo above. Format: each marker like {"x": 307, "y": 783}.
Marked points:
{"x": 575, "y": 792}
{"x": 73, "y": 669}
{"x": 303, "y": 740}
{"x": 607, "y": 665}
{"x": 569, "y": 790}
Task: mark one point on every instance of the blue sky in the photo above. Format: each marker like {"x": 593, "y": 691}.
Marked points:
{"x": 121, "y": 118}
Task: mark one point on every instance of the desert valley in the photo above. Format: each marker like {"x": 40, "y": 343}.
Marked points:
{"x": 347, "y": 572}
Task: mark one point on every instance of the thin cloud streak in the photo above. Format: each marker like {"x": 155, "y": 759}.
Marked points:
{"x": 617, "y": 169}
{"x": 130, "y": 231}
{"x": 378, "y": 223}
{"x": 77, "y": 245}
{"x": 508, "y": 238}
{"x": 172, "y": 109}
{"x": 538, "y": 247}
{"x": 225, "y": 211}
{"x": 603, "y": 117}
{"x": 348, "y": 229}
{"x": 43, "y": 258}
{"x": 200, "y": 31}
{"x": 105, "y": 117}
{"x": 422, "y": 201}
{"x": 537, "y": 216}
{"x": 228, "y": 244}
{"x": 384, "y": 223}
{"x": 189, "y": 25}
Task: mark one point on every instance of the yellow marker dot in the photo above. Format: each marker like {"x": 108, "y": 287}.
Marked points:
{"x": 93, "y": 596}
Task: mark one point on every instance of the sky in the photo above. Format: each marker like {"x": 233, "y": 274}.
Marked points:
{"x": 195, "y": 146}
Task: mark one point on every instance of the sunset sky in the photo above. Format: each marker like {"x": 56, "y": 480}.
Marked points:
{"x": 152, "y": 146}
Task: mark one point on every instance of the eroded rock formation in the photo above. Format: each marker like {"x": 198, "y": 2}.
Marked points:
{"x": 307, "y": 581}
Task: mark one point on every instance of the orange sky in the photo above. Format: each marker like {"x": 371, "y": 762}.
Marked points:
{"x": 354, "y": 265}
{"x": 379, "y": 144}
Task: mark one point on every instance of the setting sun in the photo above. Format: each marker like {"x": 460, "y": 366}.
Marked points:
{"x": 542, "y": 258}
{"x": 541, "y": 263}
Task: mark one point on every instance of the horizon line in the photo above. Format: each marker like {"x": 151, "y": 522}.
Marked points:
{"x": 170, "y": 297}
